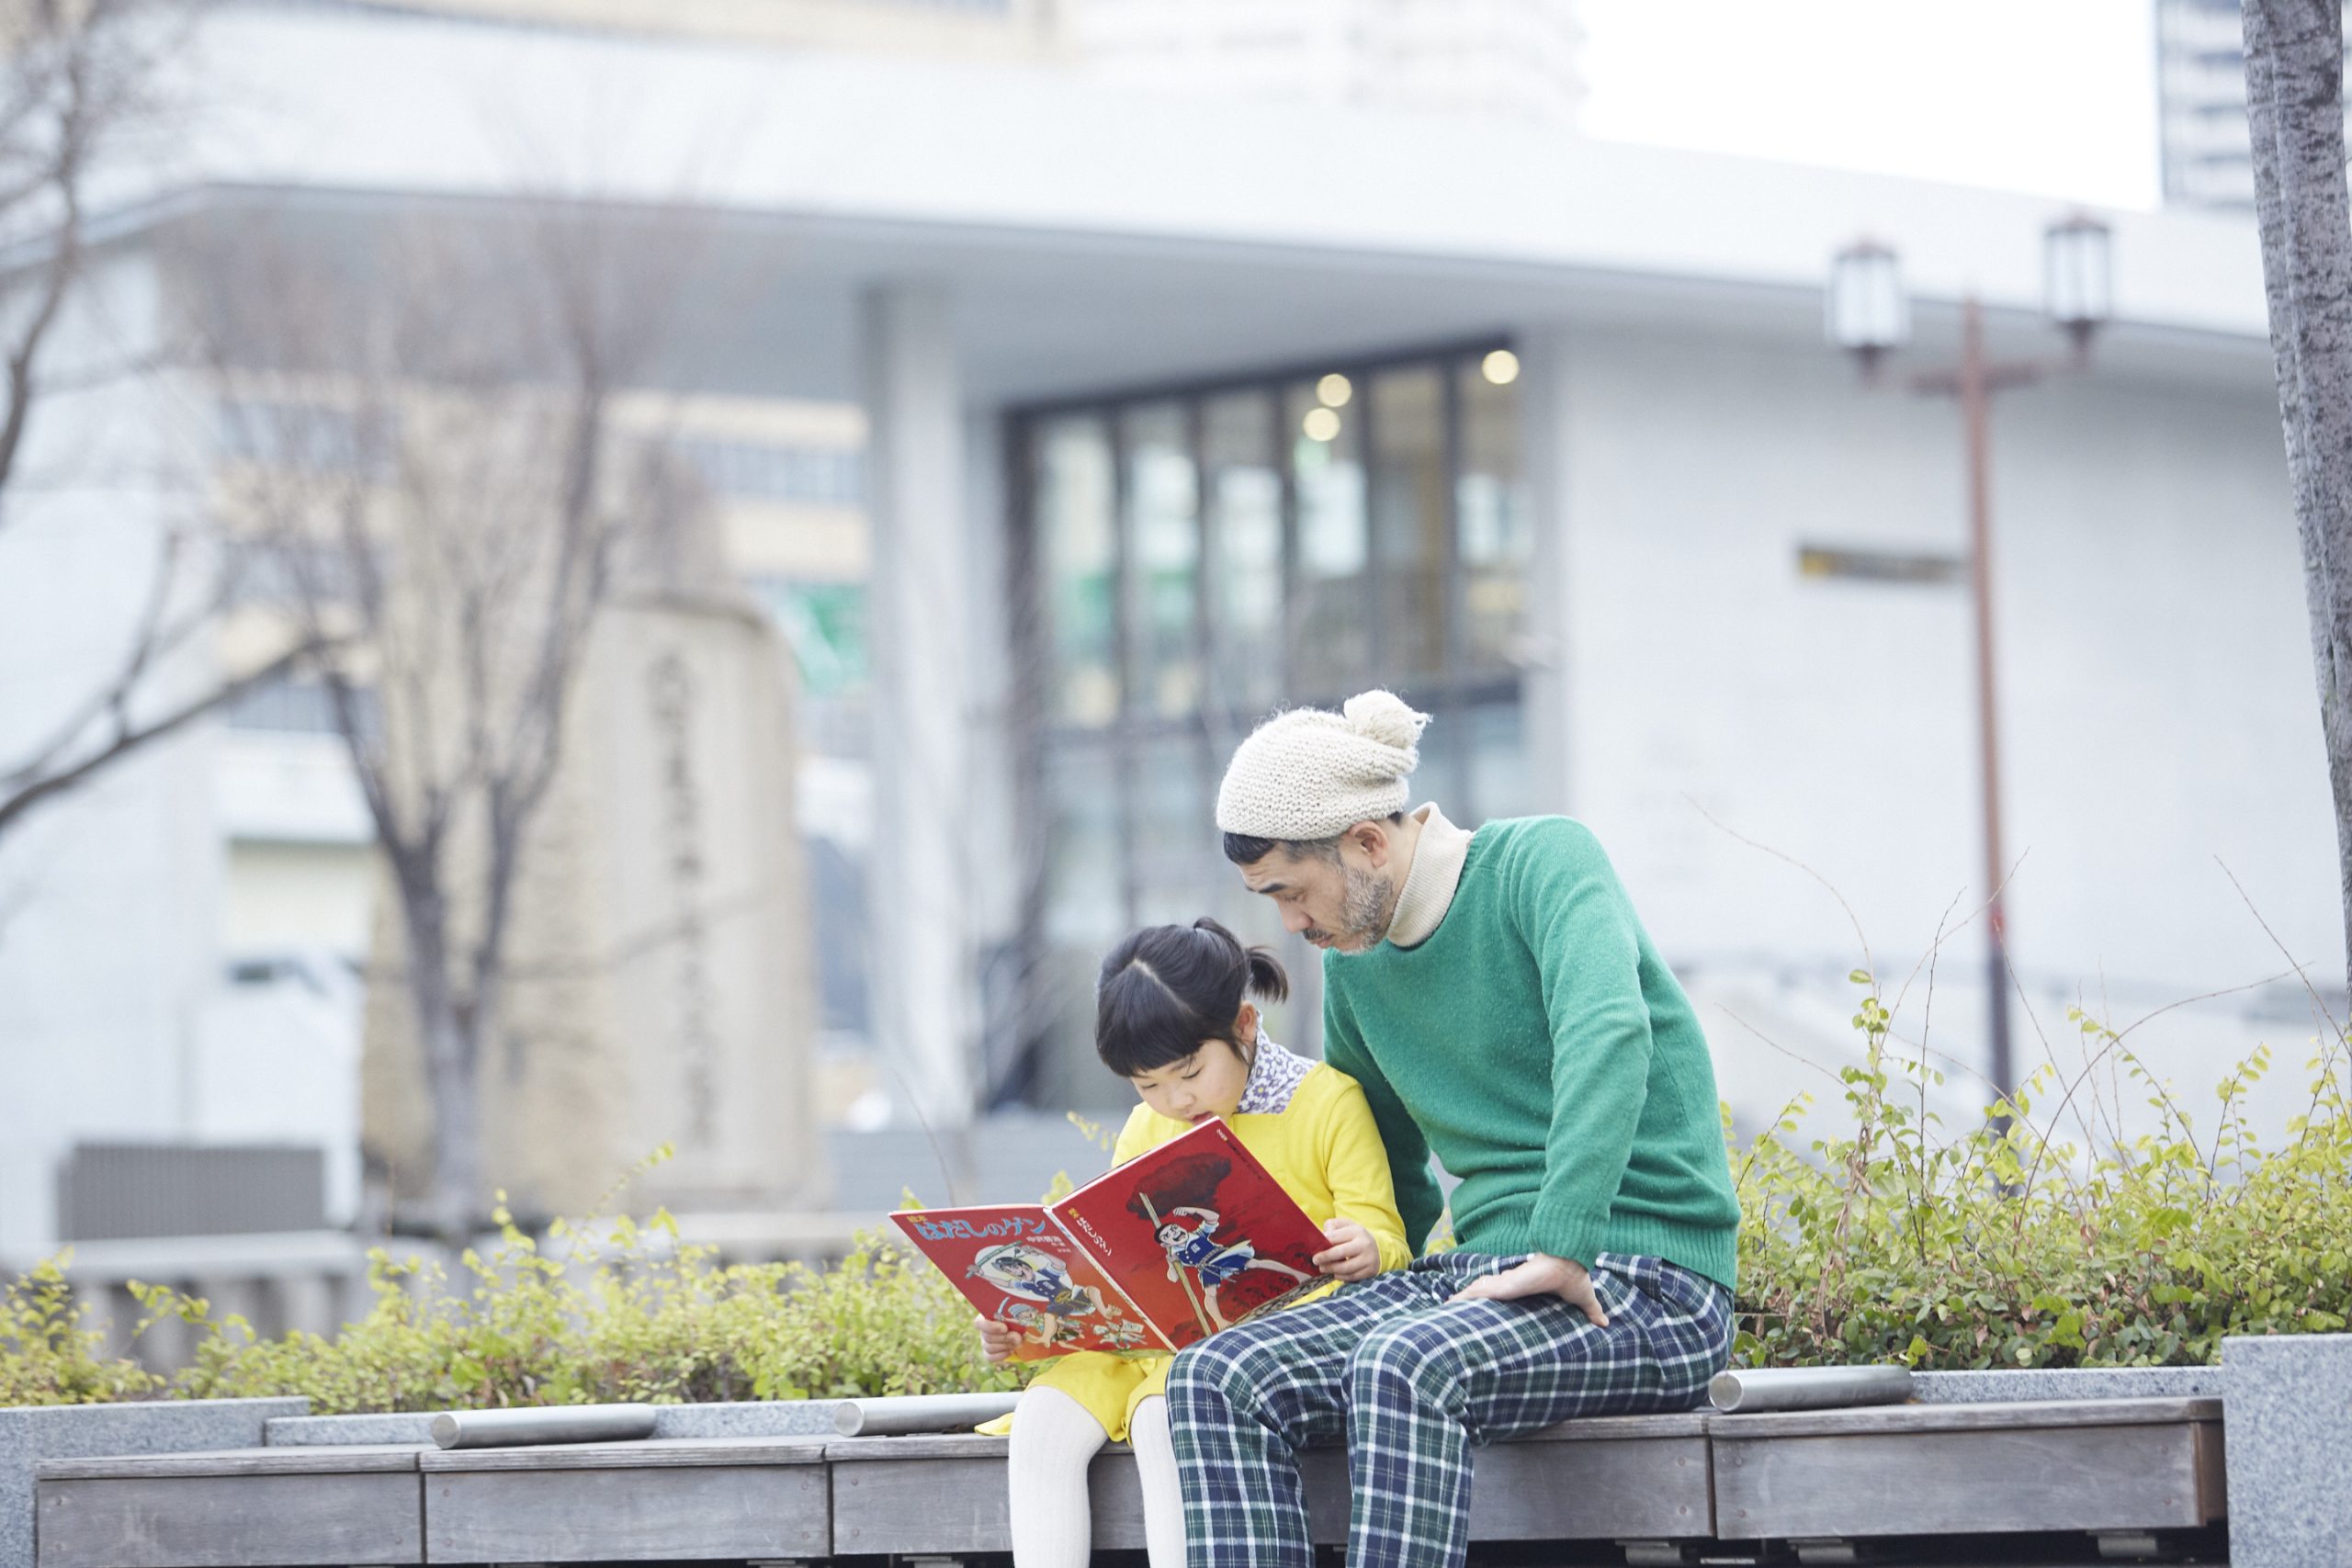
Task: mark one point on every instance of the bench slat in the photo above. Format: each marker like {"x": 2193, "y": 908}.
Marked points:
{"x": 668, "y": 1453}
{"x": 1645, "y": 1488}
{"x": 1617, "y": 1428}
{"x": 958, "y": 1503}
{"x": 636, "y": 1515}
{"x": 1901, "y": 1418}
{"x": 267, "y": 1520}
{"x": 1966, "y": 1482}
{"x": 234, "y": 1461}
{"x": 947, "y": 1494}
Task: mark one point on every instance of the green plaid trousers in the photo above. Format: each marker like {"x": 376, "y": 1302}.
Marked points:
{"x": 1410, "y": 1384}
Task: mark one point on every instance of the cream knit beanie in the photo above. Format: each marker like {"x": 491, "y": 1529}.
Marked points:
{"x": 1310, "y": 774}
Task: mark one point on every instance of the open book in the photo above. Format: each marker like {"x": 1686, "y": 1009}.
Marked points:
{"x": 1183, "y": 1240}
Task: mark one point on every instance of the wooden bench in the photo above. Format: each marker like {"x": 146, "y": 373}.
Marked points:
{"x": 744, "y": 1498}
{"x": 1611, "y": 1478}
{"x": 2100, "y": 1466}
{"x": 1659, "y": 1487}
{"x": 264, "y": 1507}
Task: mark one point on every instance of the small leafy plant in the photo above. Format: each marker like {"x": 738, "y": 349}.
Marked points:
{"x": 2000, "y": 1244}
{"x": 2005, "y": 1244}
{"x": 630, "y": 1313}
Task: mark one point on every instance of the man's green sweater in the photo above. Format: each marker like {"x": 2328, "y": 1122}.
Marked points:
{"x": 1536, "y": 1041}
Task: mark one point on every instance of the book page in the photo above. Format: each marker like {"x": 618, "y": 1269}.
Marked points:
{"x": 1196, "y": 1233}
{"x": 1013, "y": 1264}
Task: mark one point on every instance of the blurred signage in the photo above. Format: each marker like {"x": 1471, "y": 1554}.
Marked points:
{"x": 1878, "y": 566}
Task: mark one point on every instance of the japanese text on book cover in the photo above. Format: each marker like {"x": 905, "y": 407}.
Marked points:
{"x": 1016, "y": 1265}
{"x": 1196, "y": 1233}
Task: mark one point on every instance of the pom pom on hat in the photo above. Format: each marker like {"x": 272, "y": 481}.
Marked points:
{"x": 1311, "y": 774}
{"x": 1386, "y": 717}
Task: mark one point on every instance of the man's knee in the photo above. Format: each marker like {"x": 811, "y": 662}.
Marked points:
{"x": 1256, "y": 1370}
{"x": 1204, "y": 1374}
{"x": 1412, "y": 1356}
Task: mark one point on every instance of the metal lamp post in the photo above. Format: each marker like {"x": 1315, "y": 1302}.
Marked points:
{"x": 1867, "y": 317}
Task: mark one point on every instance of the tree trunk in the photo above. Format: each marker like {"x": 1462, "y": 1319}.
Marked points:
{"x": 2294, "y": 67}
{"x": 446, "y": 1038}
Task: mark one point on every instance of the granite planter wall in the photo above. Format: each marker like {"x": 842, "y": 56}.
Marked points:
{"x": 2288, "y": 1435}
{"x": 75, "y": 1431}
{"x": 2042, "y": 1384}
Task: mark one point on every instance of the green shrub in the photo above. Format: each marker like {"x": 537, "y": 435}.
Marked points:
{"x": 2006, "y": 1246}
{"x": 637, "y": 1315}
{"x": 48, "y": 1356}
{"x": 651, "y": 1318}
{"x": 1903, "y": 1241}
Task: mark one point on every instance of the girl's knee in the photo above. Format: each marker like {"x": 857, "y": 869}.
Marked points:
{"x": 1051, "y": 1430}
{"x": 1148, "y": 1430}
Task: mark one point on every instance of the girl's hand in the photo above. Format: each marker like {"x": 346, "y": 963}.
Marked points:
{"x": 996, "y": 1339}
{"x": 1353, "y": 1255}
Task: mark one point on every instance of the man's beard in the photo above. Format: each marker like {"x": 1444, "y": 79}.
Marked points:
{"x": 1364, "y": 909}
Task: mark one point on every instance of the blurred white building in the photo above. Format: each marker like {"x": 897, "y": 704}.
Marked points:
{"x": 2200, "y": 104}
{"x": 1149, "y": 411}
{"x": 1511, "y": 59}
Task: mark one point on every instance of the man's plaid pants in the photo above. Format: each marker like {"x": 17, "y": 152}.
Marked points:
{"x": 1410, "y": 1384}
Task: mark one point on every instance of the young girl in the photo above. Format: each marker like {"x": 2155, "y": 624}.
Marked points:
{"x": 1172, "y": 1018}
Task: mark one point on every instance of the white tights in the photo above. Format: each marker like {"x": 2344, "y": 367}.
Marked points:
{"x": 1054, "y": 1439}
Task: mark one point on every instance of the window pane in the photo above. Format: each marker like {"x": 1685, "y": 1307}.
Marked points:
{"x": 1201, "y": 559}
{"x": 1085, "y": 838}
{"x": 1497, "y": 540}
{"x": 1164, "y": 544}
{"x": 1174, "y": 838}
{"x": 1333, "y": 652}
{"x": 1440, "y": 776}
{"x": 1497, "y": 752}
{"x": 1076, "y": 550}
{"x": 1245, "y": 531}
{"x": 1083, "y": 843}
{"x": 1408, "y": 519}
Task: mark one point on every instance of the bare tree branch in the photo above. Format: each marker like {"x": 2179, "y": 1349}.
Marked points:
{"x": 131, "y": 739}
{"x": 78, "y": 85}
{"x": 465, "y": 527}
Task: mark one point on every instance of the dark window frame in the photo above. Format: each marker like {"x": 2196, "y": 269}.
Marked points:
{"x": 1037, "y": 733}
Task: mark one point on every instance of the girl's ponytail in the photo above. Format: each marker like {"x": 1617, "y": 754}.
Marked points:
{"x": 1261, "y": 971}
{"x": 1267, "y": 981}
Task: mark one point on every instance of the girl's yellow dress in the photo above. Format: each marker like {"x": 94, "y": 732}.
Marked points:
{"x": 1308, "y": 1125}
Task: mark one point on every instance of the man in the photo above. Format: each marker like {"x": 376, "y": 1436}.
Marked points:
{"x": 1501, "y": 1006}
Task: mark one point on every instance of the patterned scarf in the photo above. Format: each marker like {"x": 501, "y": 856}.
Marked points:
{"x": 1274, "y": 1075}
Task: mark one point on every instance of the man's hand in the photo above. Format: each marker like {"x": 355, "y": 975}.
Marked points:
{"x": 1353, "y": 1255}
{"x": 996, "y": 1338}
{"x": 1540, "y": 1274}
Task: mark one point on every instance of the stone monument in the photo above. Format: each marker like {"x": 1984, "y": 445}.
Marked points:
{"x": 661, "y": 986}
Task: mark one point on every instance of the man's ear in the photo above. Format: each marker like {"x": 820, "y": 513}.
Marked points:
{"x": 1371, "y": 840}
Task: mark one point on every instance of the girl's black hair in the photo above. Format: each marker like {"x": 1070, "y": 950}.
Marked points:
{"x": 1168, "y": 989}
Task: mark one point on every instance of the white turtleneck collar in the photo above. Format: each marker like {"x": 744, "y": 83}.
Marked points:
{"x": 1431, "y": 880}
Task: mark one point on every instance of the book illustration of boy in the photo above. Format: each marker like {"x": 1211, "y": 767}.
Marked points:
{"x": 1019, "y": 1269}
{"x": 1113, "y": 1332}
{"x": 1038, "y": 1326}
{"x": 1214, "y": 1263}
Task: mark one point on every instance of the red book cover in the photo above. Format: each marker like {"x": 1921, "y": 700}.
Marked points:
{"x": 1196, "y": 1233}
{"x": 1016, "y": 1264}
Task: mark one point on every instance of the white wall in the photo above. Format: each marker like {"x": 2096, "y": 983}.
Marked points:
{"x": 107, "y": 898}
{"x": 2158, "y": 703}
{"x": 116, "y": 1020}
